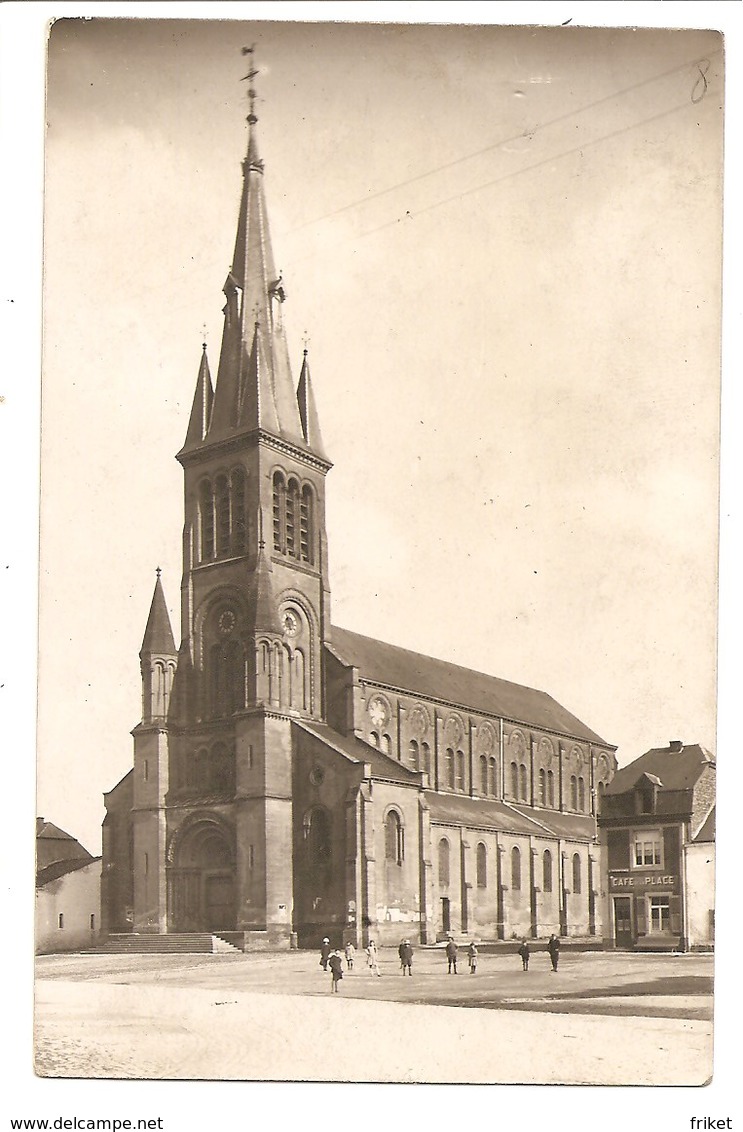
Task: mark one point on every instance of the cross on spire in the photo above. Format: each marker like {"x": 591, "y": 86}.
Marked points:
{"x": 252, "y": 93}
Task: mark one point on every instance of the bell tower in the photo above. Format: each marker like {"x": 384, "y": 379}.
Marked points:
{"x": 254, "y": 603}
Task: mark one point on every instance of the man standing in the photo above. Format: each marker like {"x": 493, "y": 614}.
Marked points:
{"x": 372, "y": 959}
{"x": 554, "y": 949}
{"x": 451, "y": 955}
{"x": 406, "y": 957}
{"x": 325, "y": 953}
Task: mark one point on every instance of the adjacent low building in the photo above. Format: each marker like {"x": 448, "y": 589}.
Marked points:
{"x": 657, "y": 831}
{"x": 68, "y": 891}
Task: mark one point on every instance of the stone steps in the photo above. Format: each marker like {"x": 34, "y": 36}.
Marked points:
{"x": 201, "y": 943}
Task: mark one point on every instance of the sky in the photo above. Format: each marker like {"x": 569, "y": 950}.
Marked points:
{"x": 502, "y": 246}
{"x": 504, "y": 249}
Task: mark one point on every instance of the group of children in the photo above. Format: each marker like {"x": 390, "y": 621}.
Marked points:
{"x": 331, "y": 959}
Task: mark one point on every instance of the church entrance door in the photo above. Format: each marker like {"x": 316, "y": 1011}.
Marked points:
{"x": 202, "y": 888}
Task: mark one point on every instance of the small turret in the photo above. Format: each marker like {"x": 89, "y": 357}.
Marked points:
{"x": 158, "y": 659}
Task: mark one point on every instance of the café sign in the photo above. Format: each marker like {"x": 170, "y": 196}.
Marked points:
{"x": 642, "y": 880}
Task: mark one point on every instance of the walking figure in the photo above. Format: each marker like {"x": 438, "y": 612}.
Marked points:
{"x": 451, "y": 955}
{"x": 472, "y": 957}
{"x": 325, "y": 953}
{"x": 335, "y": 963}
{"x": 372, "y": 959}
{"x": 553, "y": 947}
{"x": 524, "y": 953}
{"x": 350, "y": 952}
{"x": 406, "y": 957}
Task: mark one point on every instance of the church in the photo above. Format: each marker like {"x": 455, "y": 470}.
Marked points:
{"x": 292, "y": 779}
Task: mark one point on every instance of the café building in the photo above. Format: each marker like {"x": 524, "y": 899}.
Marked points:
{"x": 657, "y": 856}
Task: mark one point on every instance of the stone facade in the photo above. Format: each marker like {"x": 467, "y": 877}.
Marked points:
{"x": 292, "y": 779}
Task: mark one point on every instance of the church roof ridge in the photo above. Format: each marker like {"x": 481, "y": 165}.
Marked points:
{"x": 466, "y": 688}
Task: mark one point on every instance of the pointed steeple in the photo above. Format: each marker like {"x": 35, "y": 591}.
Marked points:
{"x": 255, "y": 297}
{"x": 308, "y": 410}
{"x": 158, "y": 636}
{"x": 201, "y": 410}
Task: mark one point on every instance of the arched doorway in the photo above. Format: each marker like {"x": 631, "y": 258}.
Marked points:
{"x": 201, "y": 892}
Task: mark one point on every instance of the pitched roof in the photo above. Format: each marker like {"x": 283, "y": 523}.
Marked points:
{"x": 676, "y": 770}
{"x": 438, "y": 679}
{"x": 707, "y": 832}
{"x": 481, "y": 813}
{"x": 158, "y": 635}
{"x": 382, "y": 766}
{"x": 61, "y": 868}
{"x": 576, "y": 827}
{"x": 47, "y": 829}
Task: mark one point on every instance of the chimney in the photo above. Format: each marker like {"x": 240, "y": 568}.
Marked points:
{"x": 675, "y": 746}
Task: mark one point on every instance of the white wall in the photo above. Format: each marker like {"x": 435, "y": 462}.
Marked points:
{"x": 76, "y": 897}
{"x": 700, "y": 893}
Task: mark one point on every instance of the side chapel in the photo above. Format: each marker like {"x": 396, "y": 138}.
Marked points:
{"x": 293, "y": 779}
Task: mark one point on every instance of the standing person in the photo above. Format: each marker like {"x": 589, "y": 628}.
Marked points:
{"x": 336, "y": 969}
{"x": 451, "y": 955}
{"x": 325, "y": 953}
{"x": 350, "y": 952}
{"x": 554, "y": 949}
{"x": 406, "y": 957}
{"x": 472, "y": 957}
{"x": 524, "y": 953}
{"x": 372, "y": 959}
{"x": 400, "y": 950}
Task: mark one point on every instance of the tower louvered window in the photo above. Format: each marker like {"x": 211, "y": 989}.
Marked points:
{"x": 279, "y": 497}
{"x": 222, "y": 494}
{"x": 207, "y": 521}
{"x": 292, "y": 509}
{"x": 238, "y": 511}
{"x": 306, "y": 535}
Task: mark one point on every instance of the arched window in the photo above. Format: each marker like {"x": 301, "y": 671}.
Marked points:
{"x": 483, "y": 775}
{"x": 514, "y": 781}
{"x": 543, "y": 787}
{"x": 523, "y": 788}
{"x": 206, "y": 515}
{"x": 460, "y": 771}
{"x": 492, "y": 777}
{"x": 299, "y": 697}
{"x": 581, "y": 794}
{"x": 318, "y": 837}
{"x": 551, "y": 787}
{"x": 306, "y": 525}
{"x": 443, "y": 863}
{"x": 279, "y": 507}
{"x": 449, "y": 763}
{"x": 201, "y": 769}
{"x": 386, "y": 744}
{"x": 292, "y": 517}
{"x": 222, "y": 501}
{"x": 238, "y": 511}
{"x": 516, "y": 869}
{"x": 573, "y": 792}
{"x": 394, "y": 838}
{"x": 601, "y": 790}
{"x": 221, "y": 774}
{"x": 547, "y": 871}
{"x": 576, "y": 874}
{"x": 413, "y": 754}
{"x": 374, "y": 739}
{"x": 482, "y": 866}
{"x": 426, "y": 757}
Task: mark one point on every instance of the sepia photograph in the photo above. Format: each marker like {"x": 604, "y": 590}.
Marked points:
{"x": 378, "y": 559}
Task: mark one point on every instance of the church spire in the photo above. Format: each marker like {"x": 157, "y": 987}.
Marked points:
{"x": 201, "y": 409}
{"x": 158, "y": 635}
{"x": 254, "y": 344}
{"x": 308, "y": 411}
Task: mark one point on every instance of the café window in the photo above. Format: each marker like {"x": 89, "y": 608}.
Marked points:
{"x": 647, "y": 848}
{"x": 660, "y": 913}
